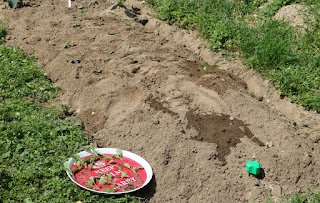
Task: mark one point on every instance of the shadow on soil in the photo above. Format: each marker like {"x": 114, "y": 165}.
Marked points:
{"x": 148, "y": 191}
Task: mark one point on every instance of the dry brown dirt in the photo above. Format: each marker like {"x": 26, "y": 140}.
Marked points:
{"x": 152, "y": 97}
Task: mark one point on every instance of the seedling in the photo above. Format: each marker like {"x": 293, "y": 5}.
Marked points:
{"x": 111, "y": 51}
{"x": 304, "y": 124}
{"x": 98, "y": 24}
{"x": 134, "y": 60}
{"x": 75, "y": 26}
{"x": 97, "y": 71}
{"x": 121, "y": 2}
{"x": 126, "y": 24}
{"x": 205, "y": 66}
{"x": 113, "y": 33}
{"x": 91, "y": 38}
{"x": 68, "y": 44}
{"x": 81, "y": 11}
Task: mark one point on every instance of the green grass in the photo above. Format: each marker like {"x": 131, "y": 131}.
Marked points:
{"x": 3, "y": 32}
{"x": 287, "y": 55}
{"x": 36, "y": 140}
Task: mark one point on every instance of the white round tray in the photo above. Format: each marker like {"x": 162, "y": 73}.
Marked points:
{"x": 130, "y": 155}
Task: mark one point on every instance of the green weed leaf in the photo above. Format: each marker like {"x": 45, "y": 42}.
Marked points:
{"x": 127, "y": 165}
{"x": 124, "y": 175}
{"x": 119, "y": 151}
{"x": 107, "y": 190}
{"x": 109, "y": 177}
{"x": 103, "y": 181}
{"x": 66, "y": 165}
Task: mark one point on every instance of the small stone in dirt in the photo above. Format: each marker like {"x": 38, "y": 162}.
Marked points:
{"x": 78, "y": 110}
{"x": 242, "y": 128}
{"x": 231, "y": 118}
{"x": 93, "y": 113}
{"x": 269, "y": 144}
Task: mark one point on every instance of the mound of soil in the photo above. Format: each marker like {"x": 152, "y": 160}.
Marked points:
{"x": 138, "y": 85}
{"x": 294, "y": 15}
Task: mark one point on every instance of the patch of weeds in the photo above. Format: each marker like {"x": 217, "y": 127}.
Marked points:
{"x": 3, "y": 32}
{"x": 267, "y": 45}
{"x": 19, "y": 77}
{"x": 68, "y": 44}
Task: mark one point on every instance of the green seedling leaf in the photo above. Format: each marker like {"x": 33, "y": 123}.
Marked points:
{"x": 135, "y": 169}
{"x": 81, "y": 11}
{"x": 89, "y": 183}
{"x": 92, "y": 178}
{"x": 103, "y": 181}
{"x": 76, "y": 156}
{"x": 107, "y": 190}
{"x": 66, "y": 165}
{"x": 111, "y": 51}
{"x": 109, "y": 177}
{"x": 74, "y": 170}
{"x": 124, "y": 175}
{"x": 88, "y": 159}
{"x": 90, "y": 187}
{"x": 111, "y": 160}
{"x": 214, "y": 66}
{"x": 119, "y": 151}
{"x": 204, "y": 63}
{"x": 127, "y": 165}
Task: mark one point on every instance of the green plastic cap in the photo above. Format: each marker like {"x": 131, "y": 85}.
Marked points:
{"x": 253, "y": 167}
